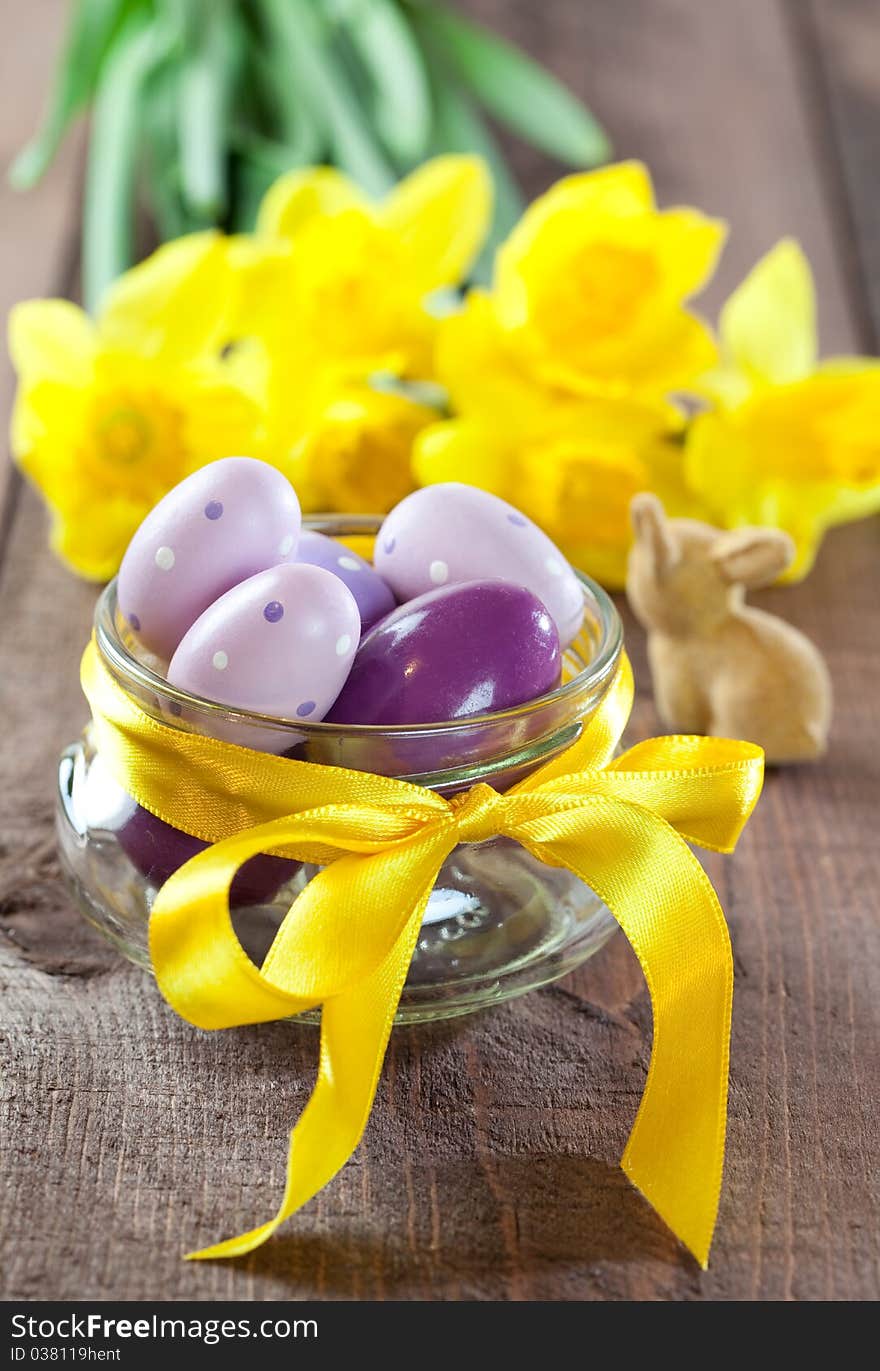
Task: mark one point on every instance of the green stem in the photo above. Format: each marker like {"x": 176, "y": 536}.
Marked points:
{"x": 108, "y": 210}
{"x": 303, "y": 38}
{"x": 459, "y": 128}
{"x": 207, "y": 81}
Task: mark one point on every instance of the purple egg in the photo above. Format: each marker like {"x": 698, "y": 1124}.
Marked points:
{"x": 449, "y": 533}
{"x": 157, "y": 849}
{"x": 224, "y": 523}
{"x": 280, "y": 643}
{"x": 374, "y": 598}
{"x": 456, "y": 651}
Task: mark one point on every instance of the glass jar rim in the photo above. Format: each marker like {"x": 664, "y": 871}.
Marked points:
{"x": 596, "y": 674}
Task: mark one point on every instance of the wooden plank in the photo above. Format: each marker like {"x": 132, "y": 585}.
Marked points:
{"x": 840, "y": 45}
{"x": 489, "y": 1169}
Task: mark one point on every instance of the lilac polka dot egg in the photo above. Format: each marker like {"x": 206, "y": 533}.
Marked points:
{"x": 224, "y": 523}
{"x": 280, "y": 643}
{"x": 450, "y": 533}
{"x": 373, "y": 596}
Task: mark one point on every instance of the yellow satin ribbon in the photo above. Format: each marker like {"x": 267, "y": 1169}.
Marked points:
{"x": 621, "y": 824}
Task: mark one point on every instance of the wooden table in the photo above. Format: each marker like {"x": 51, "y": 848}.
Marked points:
{"x": 489, "y": 1169}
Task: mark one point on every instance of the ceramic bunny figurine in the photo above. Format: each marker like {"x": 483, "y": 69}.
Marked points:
{"x": 719, "y": 666}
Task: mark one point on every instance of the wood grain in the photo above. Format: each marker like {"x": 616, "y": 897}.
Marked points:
{"x": 489, "y": 1169}
{"x": 840, "y": 42}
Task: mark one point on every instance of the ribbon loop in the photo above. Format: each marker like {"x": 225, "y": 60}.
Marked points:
{"x": 346, "y": 942}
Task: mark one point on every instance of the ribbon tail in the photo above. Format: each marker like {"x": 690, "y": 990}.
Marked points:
{"x": 665, "y": 904}
{"x": 355, "y": 1027}
{"x": 598, "y": 741}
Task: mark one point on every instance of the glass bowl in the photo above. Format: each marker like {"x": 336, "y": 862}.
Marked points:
{"x": 499, "y": 923}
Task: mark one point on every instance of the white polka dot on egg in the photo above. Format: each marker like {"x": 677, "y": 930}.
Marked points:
{"x": 220, "y": 661}
{"x": 349, "y": 564}
{"x": 164, "y": 558}
{"x": 553, "y": 566}
{"x": 439, "y": 573}
{"x": 343, "y": 644}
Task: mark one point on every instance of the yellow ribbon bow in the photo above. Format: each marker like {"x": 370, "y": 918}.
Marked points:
{"x": 620, "y": 824}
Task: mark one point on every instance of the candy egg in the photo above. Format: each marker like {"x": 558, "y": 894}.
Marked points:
{"x": 157, "y": 849}
{"x": 453, "y": 652}
{"x": 373, "y": 596}
{"x": 224, "y": 523}
{"x": 280, "y": 643}
{"x": 448, "y": 533}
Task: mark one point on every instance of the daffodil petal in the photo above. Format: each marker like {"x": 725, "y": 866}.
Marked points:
{"x": 300, "y": 196}
{"x": 663, "y": 457}
{"x": 220, "y": 420}
{"x": 91, "y": 534}
{"x": 441, "y": 214}
{"x": 590, "y": 287}
{"x": 740, "y": 486}
{"x": 357, "y": 453}
{"x": 688, "y": 245}
{"x": 51, "y": 340}
{"x": 682, "y": 347}
{"x": 571, "y": 205}
{"x": 768, "y": 325}
{"x": 675, "y": 347}
{"x": 848, "y": 504}
{"x": 848, "y": 366}
{"x": 463, "y": 450}
{"x": 478, "y": 371}
{"x": 45, "y": 431}
{"x": 264, "y": 276}
{"x": 175, "y": 305}
{"x": 616, "y": 191}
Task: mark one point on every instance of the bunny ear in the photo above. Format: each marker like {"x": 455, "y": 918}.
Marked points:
{"x": 752, "y": 557}
{"x": 653, "y": 531}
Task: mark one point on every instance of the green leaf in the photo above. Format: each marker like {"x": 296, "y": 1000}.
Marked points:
{"x": 272, "y": 158}
{"x": 91, "y": 28}
{"x": 108, "y": 208}
{"x": 251, "y": 180}
{"x": 300, "y": 128}
{"x": 459, "y": 128}
{"x": 162, "y": 170}
{"x": 516, "y": 90}
{"x": 209, "y": 74}
{"x": 305, "y": 38}
{"x": 400, "y": 99}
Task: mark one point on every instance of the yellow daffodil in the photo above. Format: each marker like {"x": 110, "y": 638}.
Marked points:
{"x": 573, "y": 461}
{"x": 559, "y": 377}
{"x": 111, "y": 413}
{"x": 356, "y": 454}
{"x": 589, "y": 288}
{"x": 330, "y": 275}
{"x": 334, "y": 289}
{"x": 793, "y": 442}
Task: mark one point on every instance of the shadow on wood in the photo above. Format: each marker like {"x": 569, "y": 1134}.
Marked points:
{"x": 571, "y": 1213}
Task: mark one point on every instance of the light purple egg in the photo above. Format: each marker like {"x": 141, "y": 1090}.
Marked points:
{"x": 449, "y": 533}
{"x": 374, "y": 598}
{"x": 280, "y": 643}
{"x": 224, "y": 523}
